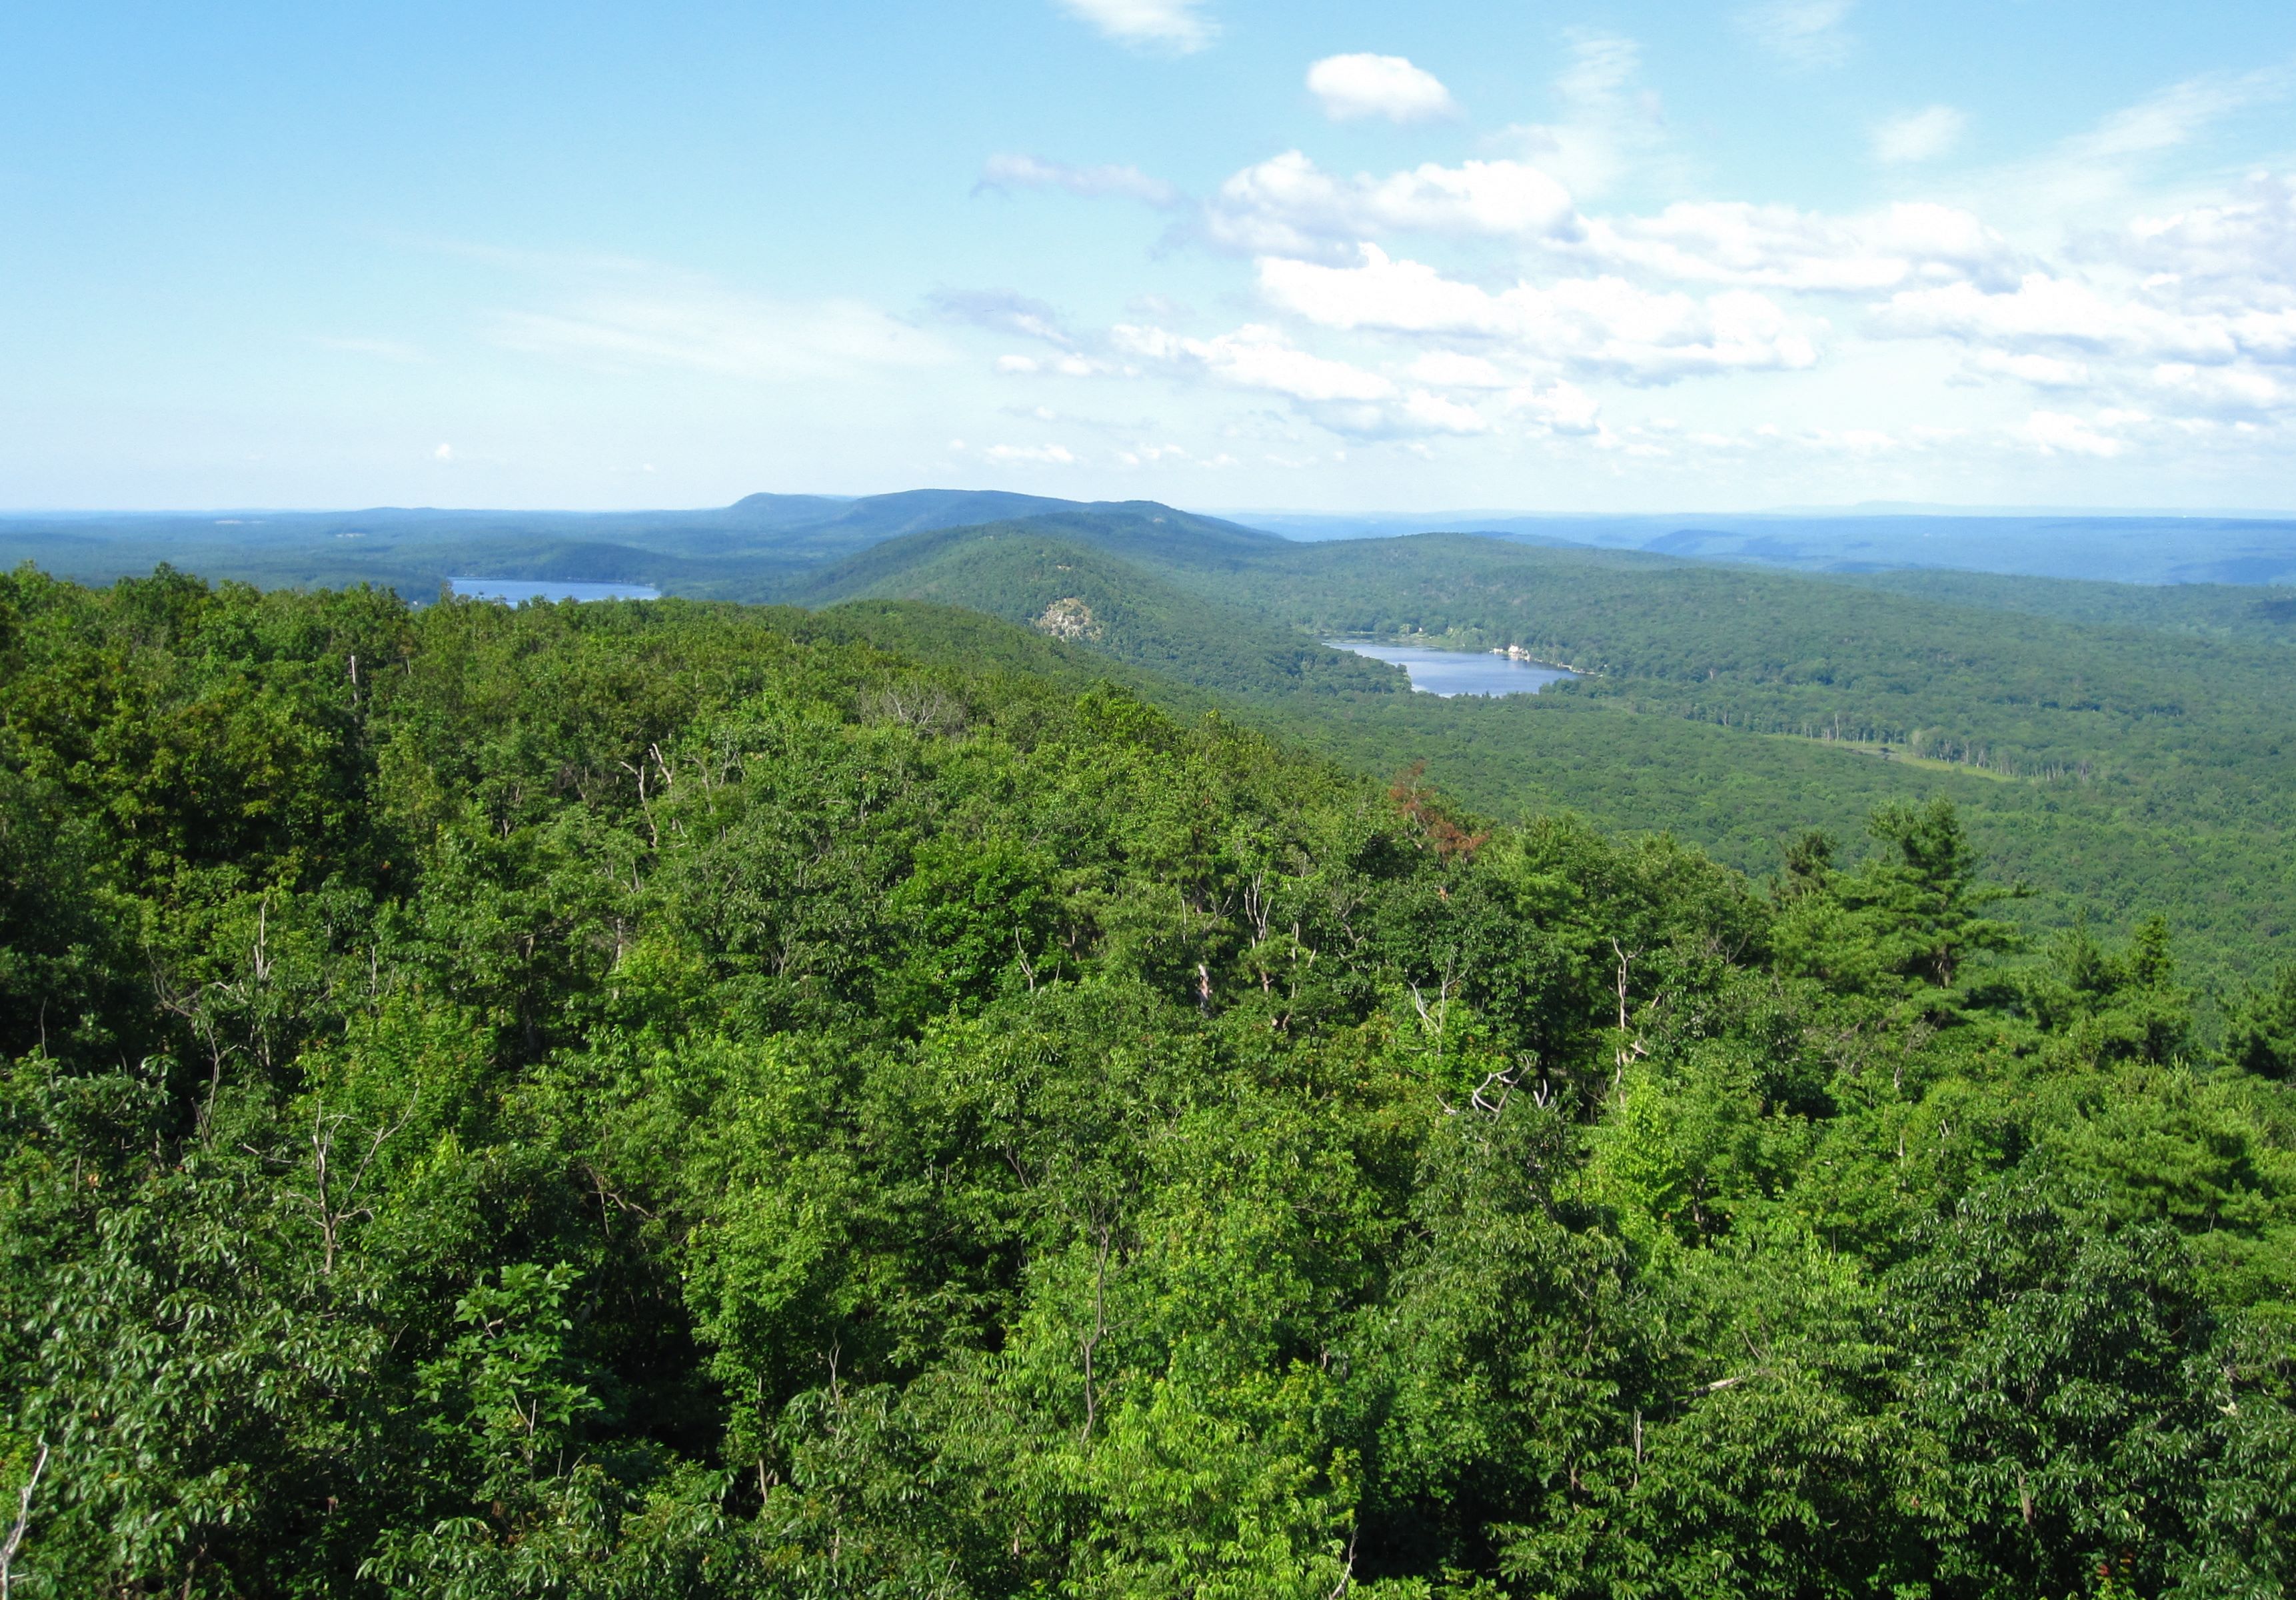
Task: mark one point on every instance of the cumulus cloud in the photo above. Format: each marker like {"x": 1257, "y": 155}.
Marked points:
{"x": 2042, "y": 371}
{"x": 1030, "y": 454}
{"x": 1258, "y": 356}
{"x": 1781, "y": 247}
{"x": 1360, "y": 85}
{"x": 1176, "y": 25}
{"x": 2241, "y": 252}
{"x": 2061, "y": 433}
{"x": 2045, "y": 311}
{"x": 1339, "y": 396}
{"x": 1561, "y": 407}
{"x": 1067, "y": 366}
{"x": 1604, "y": 325}
{"x": 1003, "y": 173}
{"x": 1802, "y": 33}
{"x": 1455, "y": 369}
{"x": 1433, "y": 412}
{"x": 1289, "y": 206}
{"x": 2238, "y": 390}
{"x": 1922, "y": 135}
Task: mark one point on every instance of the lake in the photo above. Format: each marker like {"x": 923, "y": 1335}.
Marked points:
{"x": 1449, "y": 672}
{"x": 511, "y": 590}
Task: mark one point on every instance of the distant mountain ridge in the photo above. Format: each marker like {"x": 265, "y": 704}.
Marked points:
{"x": 745, "y": 551}
{"x": 764, "y": 542}
{"x": 2146, "y": 547}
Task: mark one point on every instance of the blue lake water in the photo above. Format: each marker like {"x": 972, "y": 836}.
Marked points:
{"x": 511, "y": 590}
{"x": 1449, "y": 672}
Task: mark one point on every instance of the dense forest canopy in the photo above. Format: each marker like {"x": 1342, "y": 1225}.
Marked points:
{"x": 682, "y": 1099}
{"x": 2125, "y": 749}
{"x": 2121, "y": 748}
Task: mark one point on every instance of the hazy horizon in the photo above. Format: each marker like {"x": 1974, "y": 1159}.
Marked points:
{"x": 1856, "y": 509}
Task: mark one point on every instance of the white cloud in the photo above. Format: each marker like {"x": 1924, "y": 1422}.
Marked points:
{"x": 1013, "y": 171}
{"x": 1030, "y": 454}
{"x": 1435, "y": 414}
{"x": 2047, "y": 311}
{"x": 2223, "y": 391}
{"x": 2091, "y": 171}
{"x": 1067, "y": 366}
{"x": 2174, "y": 116}
{"x": 2042, "y": 371}
{"x": 2241, "y": 254}
{"x": 1450, "y": 369}
{"x": 1603, "y": 125}
{"x": 1288, "y": 206}
{"x": 1168, "y": 24}
{"x": 1559, "y": 408}
{"x": 679, "y": 322}
{"x": 2058, "y": 432}
{"x": 1779, "y": 247}
{"x": 1259, "y": 356}
{"x": 1359, "y": 86}
{"x": 1922, "y": 135}
{"x": 1005, "y": 312}
{"x": 443, "y": 452}
{"x": 1337, "y": 396}
{"x": 381, "y": 350}
{"x": 1804, "y": 33}
{"x": 1603, "y": 324}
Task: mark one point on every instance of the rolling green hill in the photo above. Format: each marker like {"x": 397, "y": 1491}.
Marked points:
{"x": 739, "y": 552}
{"x": 2132, "y": 768}
{"x": 1027, "y": 572}
{"x": 2130, "y": 747}
{"x": 2263, "y": 612}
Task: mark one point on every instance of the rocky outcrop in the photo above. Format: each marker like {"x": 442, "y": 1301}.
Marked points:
{"x": 1070, "y": 618}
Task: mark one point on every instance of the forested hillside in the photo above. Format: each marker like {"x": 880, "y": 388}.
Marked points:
{"x": 2219, "y": 610}
{"x": 737, "y": 552}
{"x": 1028, "y": 573}
{"x": 2130, "y": 750}
{"x": 684, "y": 1100}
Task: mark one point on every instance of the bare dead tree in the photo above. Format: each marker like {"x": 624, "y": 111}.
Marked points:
{"x": 1433, "y": 1019}
{"x": 1631, "y": 1048}
{"x": 334, "y": 1202}
{"x": 1626, "y": 961}
{"x": 15, "y": 1540}
{"x": 644, "y": 805}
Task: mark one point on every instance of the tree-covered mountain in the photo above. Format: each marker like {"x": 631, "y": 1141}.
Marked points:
{"x": 2129, "y": 547}
{"x": 2127, "y": 749}
{"x": 1060, "y": 575}
{"x": 738, "y": 552}
{"x": 690, "y": 1100}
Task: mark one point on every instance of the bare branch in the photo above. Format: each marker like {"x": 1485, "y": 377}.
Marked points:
{"x": 15, "y": 1540}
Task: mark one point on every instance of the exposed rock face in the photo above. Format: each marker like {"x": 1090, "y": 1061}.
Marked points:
{"x": 1071, "y": 618}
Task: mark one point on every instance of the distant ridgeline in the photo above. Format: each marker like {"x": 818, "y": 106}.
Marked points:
{"x": 739, "y": 552}
{"x": 2126, "y": 748}
{"x": 684, "y": 1101}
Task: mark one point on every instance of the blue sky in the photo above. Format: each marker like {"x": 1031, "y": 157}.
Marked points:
{"x": 1219, "y": 252}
